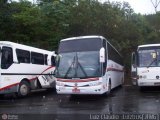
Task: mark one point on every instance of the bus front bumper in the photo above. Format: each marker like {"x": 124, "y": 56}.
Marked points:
{"x": 80, "y": 90}
{"x": 152, "y": 82}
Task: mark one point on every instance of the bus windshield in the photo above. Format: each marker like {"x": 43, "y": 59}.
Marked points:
{"x": 79, "y": 65}
{"x": 149, "y": 58}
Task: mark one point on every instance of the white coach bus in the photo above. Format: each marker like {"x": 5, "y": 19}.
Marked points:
{"x": 23, "y": 68}
{"x": 145, "y": 66}
{"x": 88, "y": 65}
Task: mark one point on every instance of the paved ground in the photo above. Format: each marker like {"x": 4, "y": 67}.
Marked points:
{"x": 125, "y": 103}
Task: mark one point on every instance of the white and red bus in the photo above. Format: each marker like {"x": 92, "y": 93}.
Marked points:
{"x": 145, "y": 68}
{"x": 88, "y": 65}
{"x": 23, "y": 68}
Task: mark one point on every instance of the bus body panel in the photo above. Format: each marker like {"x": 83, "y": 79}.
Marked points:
{"x": 47, "y": 80}
{"x": 113, "y": 74}
{"x": 146, "y": 67}
{"x": 30, "y": 72}
{"x": 148, "y": 76}
{"x": 77, "y": 87}
{"x": 116, "y": 73}
{"x": 80, "y": 90}
{"x": 12, "y": 76}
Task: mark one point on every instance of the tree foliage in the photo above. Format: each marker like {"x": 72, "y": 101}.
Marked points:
{"x": 45, "y": 22}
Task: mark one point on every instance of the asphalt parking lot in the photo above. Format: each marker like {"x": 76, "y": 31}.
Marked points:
{"x": 120, "y": 104}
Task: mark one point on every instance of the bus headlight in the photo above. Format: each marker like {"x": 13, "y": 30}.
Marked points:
{"x": 59, "y": 83}
{"x": 142, "y": 77}
{"x": 95, "y": 84}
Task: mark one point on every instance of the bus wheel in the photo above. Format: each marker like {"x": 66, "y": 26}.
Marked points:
{"x": 24, "y": 89}
{"x": 109, "y": 88}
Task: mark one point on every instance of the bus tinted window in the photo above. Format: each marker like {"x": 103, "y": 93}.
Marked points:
{"x": 23, "y": 56}
{"x": 87, "y": 44}
{"x": 113, "y": 55}
{"x": 45, "y": 59}
{"x": 53, "y": 61}
{"x": 7, "y": 57}
{"x": 37, "y": 58}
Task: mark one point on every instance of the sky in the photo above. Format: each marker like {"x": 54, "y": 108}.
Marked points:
{"x": 140, "y": 6}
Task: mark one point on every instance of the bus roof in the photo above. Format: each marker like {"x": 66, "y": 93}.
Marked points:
{"x": 82, "y": 37}
{"x": 149, "y": 45}
{"x": 25, "y": 47}
{"x": 89, "y": 36}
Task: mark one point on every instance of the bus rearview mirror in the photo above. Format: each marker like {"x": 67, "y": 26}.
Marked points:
{"x": 57, "y": 60}
{"x": 154, "y": 55}
{"x": 102, "y": 55}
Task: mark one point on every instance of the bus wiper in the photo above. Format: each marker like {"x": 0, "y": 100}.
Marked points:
{"x": 70, "y": 67}
{"x": 151, "y": 62}
{"x": 81, "y": 68}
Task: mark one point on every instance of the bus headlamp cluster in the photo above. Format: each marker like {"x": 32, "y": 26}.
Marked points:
{"x": 95, "y": 84}
{"x": 142, "y": 76}
{"x": 59, "y": 83}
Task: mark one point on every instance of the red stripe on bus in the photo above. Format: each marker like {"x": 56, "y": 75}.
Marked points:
{"x": 48, "y": 69}
{"x": 77, "y": 80}
{"x": 114, "y": 69}
{"x": 9, "y": 86}
{"x": 15, "y": 84}
{"x": 33, "y": 79}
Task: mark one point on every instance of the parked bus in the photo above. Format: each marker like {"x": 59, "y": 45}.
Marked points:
{"x": 24, "y": 68}
{"x": 88, "y": 65}
{"x": 145, "y": 66}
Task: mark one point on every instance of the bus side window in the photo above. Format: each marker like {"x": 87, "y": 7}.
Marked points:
{"x": 104, "y": 45}
{"x": 114, "y": 55}
{"x": 37, "y": 58}
{"x": 23, "y": 56}
{"x": 7, "y": 57}
{"x": 45, "y": 59}
{"x": 53, "y": 61}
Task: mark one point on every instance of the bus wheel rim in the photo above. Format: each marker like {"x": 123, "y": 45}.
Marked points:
{"x": 24, "y": 90}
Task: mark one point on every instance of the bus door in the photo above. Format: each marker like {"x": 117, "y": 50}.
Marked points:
{"x": 47, "y": 79}
{"x": 134, "y": 68}
{"x": 6, "y": 57}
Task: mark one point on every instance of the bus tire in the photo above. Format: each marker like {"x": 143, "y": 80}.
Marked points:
{"x": 109, "y": 87}
{"x": 24, "y": 89}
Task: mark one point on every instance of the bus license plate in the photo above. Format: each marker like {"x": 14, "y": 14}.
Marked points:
{"x": 75, "y": 90}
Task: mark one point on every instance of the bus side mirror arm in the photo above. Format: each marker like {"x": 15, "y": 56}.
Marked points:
{"x": 57, "y": 60}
